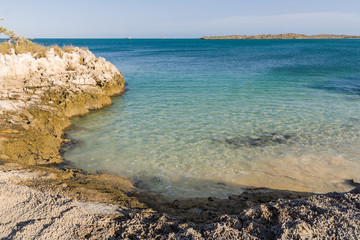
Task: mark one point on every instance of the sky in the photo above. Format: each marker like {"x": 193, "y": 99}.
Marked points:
{"x": 177, "y": 18}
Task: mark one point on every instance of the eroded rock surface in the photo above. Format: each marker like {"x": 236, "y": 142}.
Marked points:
{"x": 39, "y": 95}
{"x": 26, "y": 213}
{"x": 329, "y": 216}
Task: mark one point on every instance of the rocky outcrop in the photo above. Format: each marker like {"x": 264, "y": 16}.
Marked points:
{"x": 328, "y": 216}
{"x": 39, "y": 95}
{"x": 284, "y": 36}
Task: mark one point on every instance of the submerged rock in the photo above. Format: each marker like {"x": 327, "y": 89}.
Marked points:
{"x": 258, "y": 141}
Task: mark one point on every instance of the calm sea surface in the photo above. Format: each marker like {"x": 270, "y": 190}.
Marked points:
{"x": 204, "y": 118}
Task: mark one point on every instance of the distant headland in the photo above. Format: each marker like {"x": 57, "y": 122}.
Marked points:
{"x": 284, "y": 36}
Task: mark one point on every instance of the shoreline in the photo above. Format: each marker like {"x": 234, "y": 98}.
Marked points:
{"x": 279, "y": 37}
{"x": 53, "y": 212}
{"x": 37, "y": 102}
{"x": 43, "y": 95}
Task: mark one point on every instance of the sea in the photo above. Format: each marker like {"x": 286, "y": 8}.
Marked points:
{"x": 204, "y": 118}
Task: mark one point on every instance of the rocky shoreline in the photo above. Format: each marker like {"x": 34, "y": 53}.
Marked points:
{"x": 38, "y": 97}
{"x": 44, "y": 213}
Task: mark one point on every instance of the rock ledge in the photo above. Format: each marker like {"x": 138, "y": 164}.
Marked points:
{"x": 39, "y": 95}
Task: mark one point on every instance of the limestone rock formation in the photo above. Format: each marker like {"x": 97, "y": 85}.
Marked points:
{"x": 38, "y": 95}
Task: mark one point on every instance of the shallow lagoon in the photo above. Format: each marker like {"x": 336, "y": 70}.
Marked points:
{"x": 203, "y": 118}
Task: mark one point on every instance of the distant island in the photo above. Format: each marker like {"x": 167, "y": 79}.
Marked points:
{"x": 284, "y": 36}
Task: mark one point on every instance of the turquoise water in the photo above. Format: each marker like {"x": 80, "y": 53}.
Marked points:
{"x": 205, "y": 118}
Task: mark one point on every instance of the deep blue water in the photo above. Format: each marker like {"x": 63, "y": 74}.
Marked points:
{"x": 205, "y": 117}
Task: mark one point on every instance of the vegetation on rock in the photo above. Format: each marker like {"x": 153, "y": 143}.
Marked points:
{"x": 18, "y": 45}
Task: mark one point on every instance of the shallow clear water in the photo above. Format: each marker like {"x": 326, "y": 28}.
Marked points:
{"x": 204, "y": 118}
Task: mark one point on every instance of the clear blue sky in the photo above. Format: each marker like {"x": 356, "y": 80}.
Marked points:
{"x": 178, "y": 18}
